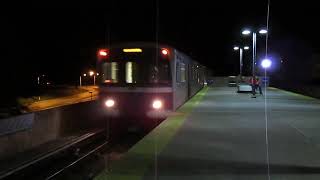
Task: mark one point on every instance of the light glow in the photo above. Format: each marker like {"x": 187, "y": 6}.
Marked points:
{"x": 246, "y": 48}
{"x": 246, "y": 32}
{"x": 236, "y": 48}
{"x": 132, "y": 50}
{"x": 157, "y": 104}
{"x": 109, "y": 103}
{"x": 266, "y": 63}
{"x": 103, "y": 52}
{"x": 263, "y": 31}
{"x": 165, "y": 51}
{"x": 91, "y": 73}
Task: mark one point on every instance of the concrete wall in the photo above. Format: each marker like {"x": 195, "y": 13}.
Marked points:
{"x": 47, "y": 125}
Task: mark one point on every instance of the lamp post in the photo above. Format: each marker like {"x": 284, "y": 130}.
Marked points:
{"x": 254, "y": 50}
{"x": 80, "y": 79}
{"x": 266, "y": 64}
{"x": 91, "y": 73}
{"x": 236, "y": 48}
{"x": 254, "y": 45}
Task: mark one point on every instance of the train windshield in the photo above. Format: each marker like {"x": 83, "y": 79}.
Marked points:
{"x": 140, "y": 69}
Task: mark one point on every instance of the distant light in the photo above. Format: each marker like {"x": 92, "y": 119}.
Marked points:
{"x": 246, "y": 48}
{"x": 263, "y": 31}
{"x": 132, "y": 50}
{"x": 266, "y": 63}
{"x": 103, "y": 52}
{"x": 236, "y": 48}
{"x": 246, "y": 32}
{"x": 84, "y": 75}
{"x": 165, "y": 51}
{"x": 157, "y": 104}
{"x": 91, "y": 73}
{"x": 108, "y": 81}
{"x": 109, "y": 103}
{"x": 97, "y": 74}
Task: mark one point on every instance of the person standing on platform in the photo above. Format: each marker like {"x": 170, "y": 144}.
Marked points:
{"x": 255, "y": 83}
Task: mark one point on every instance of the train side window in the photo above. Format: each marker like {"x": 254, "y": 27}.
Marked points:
{"x": 178, "y": 72}
{"x": 194, "y": 72}
{"x": 181, "y": 72}
{"x": 110, "y": 72}
{"x": 131, "y": 73}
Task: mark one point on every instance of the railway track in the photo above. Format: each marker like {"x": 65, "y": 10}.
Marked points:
{"x": 82, "y": 159}
{"x": 55, "y": 163}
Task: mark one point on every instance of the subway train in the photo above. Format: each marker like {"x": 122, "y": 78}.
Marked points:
{"x": 142, "y": 80}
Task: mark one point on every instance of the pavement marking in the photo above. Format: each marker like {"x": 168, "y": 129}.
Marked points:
{"x": 294, "y": 94}
{"x": 141, "y": 157}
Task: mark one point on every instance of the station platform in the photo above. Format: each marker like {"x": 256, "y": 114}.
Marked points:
{"x": 221, "y": 134}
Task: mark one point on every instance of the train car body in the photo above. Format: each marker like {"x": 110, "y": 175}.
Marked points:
{"x": 146, "y": 80}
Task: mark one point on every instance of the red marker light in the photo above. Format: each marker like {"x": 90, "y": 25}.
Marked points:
{"x": 165, "y": 52}
{"x": 103, "y": 52}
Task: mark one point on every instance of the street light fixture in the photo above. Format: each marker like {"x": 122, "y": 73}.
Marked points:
{"x": 254, "y": 52}
{"x": 266, "y": 63}
{"x": 263, "y": 31}
{"x": 254, "y": 46}
{"x": 246, "y": 32}
{"x": 241, "y": 56}
{"x": 91, "y": 73}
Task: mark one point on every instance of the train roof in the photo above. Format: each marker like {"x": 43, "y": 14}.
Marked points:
{"x": 143, "y": 44}
{"x": 139, "y": 44}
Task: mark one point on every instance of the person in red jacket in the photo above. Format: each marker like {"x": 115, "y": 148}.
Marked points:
{"x": 255, "y": 83}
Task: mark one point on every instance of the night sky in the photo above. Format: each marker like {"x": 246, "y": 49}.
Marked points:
{"x": 60, "y": 40}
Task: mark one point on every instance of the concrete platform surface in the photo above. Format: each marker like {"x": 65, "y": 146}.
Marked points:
{"x": 221, "y": 135}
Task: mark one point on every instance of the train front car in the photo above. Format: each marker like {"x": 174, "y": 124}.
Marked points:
{"x": 136, "y": 82}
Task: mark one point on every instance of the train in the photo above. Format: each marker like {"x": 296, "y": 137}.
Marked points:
{"x": 140, "y": 80}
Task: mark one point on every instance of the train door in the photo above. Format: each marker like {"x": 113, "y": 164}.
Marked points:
{"x": 190, "y": 69}
{"x": 181, "y": 86}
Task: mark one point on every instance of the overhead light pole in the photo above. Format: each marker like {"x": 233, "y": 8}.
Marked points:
{"x": 254, "y": 49}
{"x": 236, "y": 48}
{"x": 91, "y": 73}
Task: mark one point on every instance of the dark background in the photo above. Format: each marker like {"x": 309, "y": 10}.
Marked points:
{"x": 61, "y": 40}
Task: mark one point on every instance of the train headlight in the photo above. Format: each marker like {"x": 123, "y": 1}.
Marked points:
{"x": 157, "y": 104}
{"x": 109, "y": 103}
